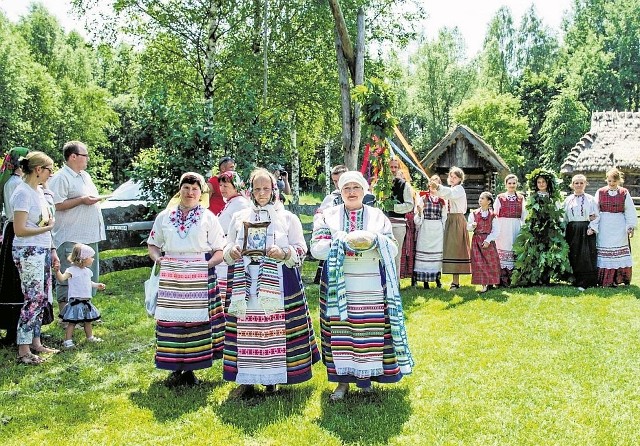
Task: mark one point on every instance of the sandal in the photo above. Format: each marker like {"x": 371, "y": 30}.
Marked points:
{"x": 30, "y": 359}
{"x": 340, "y": 392}
{"x": 45, "y": 349}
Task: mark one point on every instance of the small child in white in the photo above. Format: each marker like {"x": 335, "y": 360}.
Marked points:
{"x": 79, "y": 309}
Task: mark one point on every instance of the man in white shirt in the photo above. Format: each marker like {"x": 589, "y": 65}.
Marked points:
{"x": 78, "y": 214}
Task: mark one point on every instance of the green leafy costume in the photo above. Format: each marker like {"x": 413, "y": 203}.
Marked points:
{"x": 541, "y": 250}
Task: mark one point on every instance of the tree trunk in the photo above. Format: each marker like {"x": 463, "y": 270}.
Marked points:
{"x": 343, "y": 34}
{"x": 327, "y": 167}
{"x": 359, "y": 80}
{"x": 350, "y": 68}
{"x": 209, "y": 74}
{"x": 295, "y": 165}
{"x": 265, "y": 52}
{"x": 345, "y": 102}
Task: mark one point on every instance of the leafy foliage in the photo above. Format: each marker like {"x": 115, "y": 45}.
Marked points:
{"x": 497, "y": 118}
{"x": 376, "y": 100}
{"x": 542, "y": 253}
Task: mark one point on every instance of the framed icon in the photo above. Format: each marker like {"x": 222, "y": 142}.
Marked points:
{"x": 255, "y": 239}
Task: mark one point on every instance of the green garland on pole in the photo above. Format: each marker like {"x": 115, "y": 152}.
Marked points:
{"x": 376, "y": 100}
{"x": 542, "y": 253}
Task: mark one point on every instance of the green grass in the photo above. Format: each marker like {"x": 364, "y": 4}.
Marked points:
{"x": 311, "y": 198}
{"x": 536, "y": 366}
{"x": 137, "y": 251}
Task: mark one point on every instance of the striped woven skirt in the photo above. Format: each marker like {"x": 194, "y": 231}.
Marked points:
{"x": 359, "y": 349}
{"x": 278, "y": 348}
{"x": 614, "y": 251}
{"x": 428, "y": 264}
{"x": 194, "y": 345}
{"x": 456, "y": 256}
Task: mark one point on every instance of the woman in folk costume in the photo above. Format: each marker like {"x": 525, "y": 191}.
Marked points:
{"x": 618, "y": 221}
{"x": 430, "y": 222}
{"x": 230, "y": 187}
{"x": 485, "y": 263}
{"x": 510, "y": 216}
{"x": 264, "y": 343}
{"x": 541, "y": 250}
{"x": 361, "y": 319}
{"x": 582, "y": 216}
{"x": 11, "y": 297}
{"x": 188, "y": 313}
{"x": 456, "y": 257}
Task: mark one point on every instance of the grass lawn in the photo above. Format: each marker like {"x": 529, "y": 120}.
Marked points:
{"x": 536, "y": 366}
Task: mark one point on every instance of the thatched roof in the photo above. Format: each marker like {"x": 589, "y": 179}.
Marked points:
{"x": 612, "y": 141}
{"x": 483, "y": 149}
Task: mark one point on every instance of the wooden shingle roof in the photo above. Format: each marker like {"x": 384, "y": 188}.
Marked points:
{"x": 612, "y": 141}
{"x": 483, "y": 149}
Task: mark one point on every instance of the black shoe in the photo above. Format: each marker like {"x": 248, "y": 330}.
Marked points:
{"x": 270, "y": 389}
{"x": 426, "y": 285}
{"x": 438, "y": 283}
{"x": 243, "y": 391}
{"x": 174, "y": 379}
{"x": 414, "y": 282}
{"x": 188, "y": 378}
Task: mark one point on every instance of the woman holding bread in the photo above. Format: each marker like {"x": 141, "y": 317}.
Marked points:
{"x": 361, "y": 318}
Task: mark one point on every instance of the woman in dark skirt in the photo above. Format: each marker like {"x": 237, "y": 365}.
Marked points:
{"x": 582, "y": 217}
{"x": 11, "y": 297}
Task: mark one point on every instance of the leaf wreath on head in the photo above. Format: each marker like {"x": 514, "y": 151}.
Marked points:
{"x": 550, "y": 178}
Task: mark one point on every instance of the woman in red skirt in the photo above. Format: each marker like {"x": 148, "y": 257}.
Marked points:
{"x": 485, "y": 262}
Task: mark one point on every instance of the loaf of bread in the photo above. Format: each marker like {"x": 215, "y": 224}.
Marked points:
{"x": 360, "y": 240}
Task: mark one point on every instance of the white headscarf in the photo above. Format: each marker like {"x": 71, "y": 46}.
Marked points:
{"x": 353, "y": 176}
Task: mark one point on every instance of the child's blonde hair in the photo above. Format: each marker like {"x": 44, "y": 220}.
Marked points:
{"x": 80, "y": 253}
{"x": 616, "y": 174}
{"x": 457, "y": 172}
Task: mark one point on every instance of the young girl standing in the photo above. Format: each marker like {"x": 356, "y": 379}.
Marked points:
{"x": 79, "y": 309}
{"x": 582, "y": 217}
{"x": 485, "y": 263}
{"x": 510, "y": 216}
{"x": 618, "y": 221}
{"x": 456, "y": 258}
{"x": 430, "y": 221}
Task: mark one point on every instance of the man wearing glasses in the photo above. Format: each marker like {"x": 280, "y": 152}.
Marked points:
{"x": 78, "y": 214}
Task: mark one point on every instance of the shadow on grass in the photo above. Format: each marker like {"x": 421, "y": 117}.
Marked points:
{"x": 251, "y": 415}
{"x": 366, "y": 418}
{"x": 413, "y": 298}
{"x": 170, "y": 404}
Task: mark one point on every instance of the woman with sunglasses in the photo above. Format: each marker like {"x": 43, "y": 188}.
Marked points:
{"x": 33, "y": 252}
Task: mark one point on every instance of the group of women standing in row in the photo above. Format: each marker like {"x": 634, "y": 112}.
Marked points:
{"x": 526, "y": 240}
{"x": 252, "y": 312}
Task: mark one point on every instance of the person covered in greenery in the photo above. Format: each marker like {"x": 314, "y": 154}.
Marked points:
{"x": 542, "y": 253}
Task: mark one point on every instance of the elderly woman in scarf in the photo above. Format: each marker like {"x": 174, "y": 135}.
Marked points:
{"x": 361, "y": 319}
{"x": 188, "y": 310}
{"x": 11, "y": 297}
{"x": 264, "y": 343}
